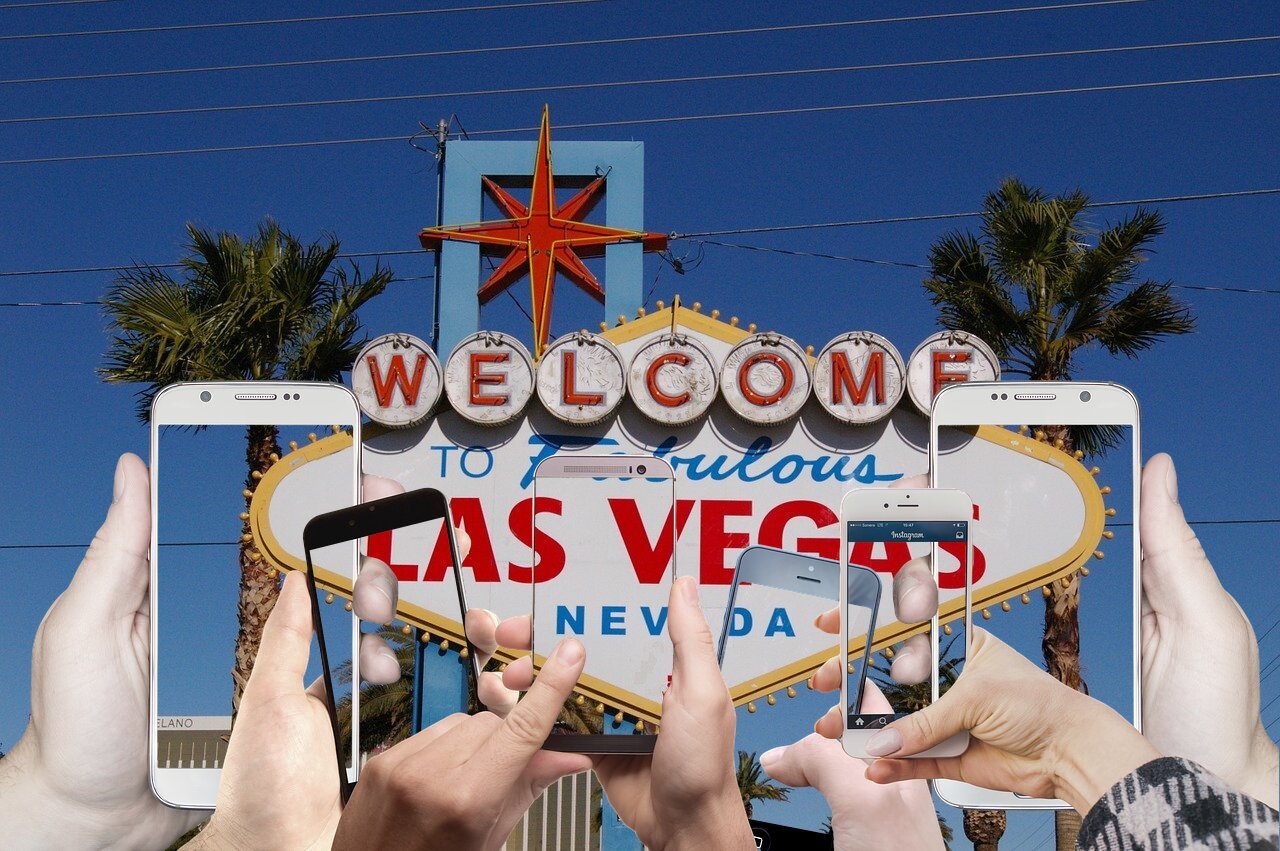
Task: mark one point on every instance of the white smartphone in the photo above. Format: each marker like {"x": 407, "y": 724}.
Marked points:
{"x": 604, "y": 559}
{"x": 884, "y": 528}
{"x": 212, "y": 468}
{"x": 1044, "y": 520}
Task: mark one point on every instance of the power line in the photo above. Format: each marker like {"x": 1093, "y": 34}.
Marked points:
{"x": 635, "y": 39}
{"x": 53, "y": 3}
{"x": 614, "y": 84}
{"x": 825, "y": 256}
{"x": 634, "y": 122}
{"x": 76, "y": 270}
{"x": 219, "y": 25}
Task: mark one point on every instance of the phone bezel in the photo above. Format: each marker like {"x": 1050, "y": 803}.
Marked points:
{"x": 559, "y": 466}
{"x": 928, "y": 504}
{"x": 179, "y": 405}
{"x": 970, "y": 404}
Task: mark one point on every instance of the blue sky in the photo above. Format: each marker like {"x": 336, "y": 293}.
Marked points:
{"x": 1208, "y": 398}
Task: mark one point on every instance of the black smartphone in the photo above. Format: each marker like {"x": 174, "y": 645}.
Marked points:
{"x": 348, "y": 525}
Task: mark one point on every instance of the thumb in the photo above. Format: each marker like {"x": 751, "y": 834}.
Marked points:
{"x": 694, "y": 665}
{"x": 1176, "y": 574}
{"x": 112, "y": 579}
{"x": 527, "y": 726}
{"x": 813, "y": 761}
{"x": 922, "y": 729}
{"x": 286, "y": 640}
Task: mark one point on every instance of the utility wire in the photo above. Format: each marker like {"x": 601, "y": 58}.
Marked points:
{"x": 615, "y": 84}
{"x": 53, "y": 3}
{"x": 220, "y": 25}
{"x": 635, "y": 39}
{"x": 633, "y": 122}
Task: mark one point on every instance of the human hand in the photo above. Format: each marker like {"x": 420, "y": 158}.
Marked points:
{"x": 1197, "y": 645}
{"x": 865, "y": 816}
{"x": 465, "y": 781}
{"x": 685, "y": 794}
{"x": 77, "y": 778}
{"x": 1074, "y": 751}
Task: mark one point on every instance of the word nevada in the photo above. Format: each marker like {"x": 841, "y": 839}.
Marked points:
{"x": 671, "y": 377}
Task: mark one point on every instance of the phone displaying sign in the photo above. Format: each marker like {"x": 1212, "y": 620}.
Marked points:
{"x": 211, "y": 586}
{"x": 603, "y": 550}
{"x": 882, "y": 524}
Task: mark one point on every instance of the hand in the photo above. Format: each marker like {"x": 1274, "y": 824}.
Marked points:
{"x": 465, "y": 781}
{"x": 1197, "y": 645}
{"x": 865, "y": 816}
{"x": 1074, "y": 751}
{"x": 685, "y": 794}
{"x": 78, "y": 778}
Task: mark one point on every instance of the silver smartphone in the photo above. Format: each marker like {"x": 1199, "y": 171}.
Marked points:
{"x": 219, "y": 496}
{"x": 884, "y": 528}
{"x": 1052, "y": 468}
{"x": 604, "y": 560}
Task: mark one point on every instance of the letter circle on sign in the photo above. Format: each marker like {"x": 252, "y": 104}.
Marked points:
{"x": 581, "y": 378}
{"x": 944, "y": 358}
{"x": 489, "y": 378}
{"x": 859, "y": 377}
{"x": 765, "y": 378}
{"x": 397, "y": 380}
{"x": 673, "y": 379}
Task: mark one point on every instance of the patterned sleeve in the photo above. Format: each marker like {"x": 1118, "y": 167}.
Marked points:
{"x": 1175, "y": 804}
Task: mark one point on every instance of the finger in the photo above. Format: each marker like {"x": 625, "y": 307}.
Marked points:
{"x": 377, "y": 591}
{"x": 423, "y": 739}
{"x": 813, "y": 761}
{"x": 912, "y": 661}
{"x": 519, "y": 674}
{"x": 925, "y": 768}
{"x": 831, "y": 725}
{"x": 829, "y": 676}
{"x": 378, "y": 662}
{"x": 694, "y": 664}
{"x": 873, "y": 700}
{"x": 495, "y": 696}
{"x": 481, "y": 627}
{"x": 516, "y": 633}
{"x": 524, "y": 731}
{"x": 316, "y": 689}
{"x": 829, "y": 621}
{"x": 920, "y": 480}
{"x": 286, "y": 639}
{"x": 463, "y": 542}
{"x": 915, "y": 594}
{"x": 1176, "y": 574}
{"x": 378, "y": 487}
{"x": 922, "y": 729}
{"x": 112, "y": 579}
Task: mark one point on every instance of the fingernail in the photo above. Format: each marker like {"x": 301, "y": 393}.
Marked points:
{"x": 569, "y": 651}
{"x": 769, "y": 757}
{"x": 117, "y": 488}
{"x": 1171, "y": 481}
{"x": 386, "y": 651}
{"x": 690, "y": 589}
{"x": 383, "y": 585}
{"x": 885, "y": 742}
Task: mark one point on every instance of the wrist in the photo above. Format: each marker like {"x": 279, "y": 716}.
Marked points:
{"x": 722, "y": 824}
{"x": 1262, "y": 779}
{"x": 1096, "y": 757}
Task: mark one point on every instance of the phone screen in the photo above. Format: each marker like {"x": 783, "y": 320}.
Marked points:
{"x": 603, "y": 565}
{"x": 873, "y": 544}
{"x": 213, "y": 587}
{"x": 1039, "y": 512}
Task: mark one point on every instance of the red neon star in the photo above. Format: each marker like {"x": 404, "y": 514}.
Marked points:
{"x": 541, "y": 239}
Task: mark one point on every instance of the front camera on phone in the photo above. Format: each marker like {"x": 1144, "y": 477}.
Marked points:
{"x": 1085, "y": 395}
{"x": 205, "y": 396}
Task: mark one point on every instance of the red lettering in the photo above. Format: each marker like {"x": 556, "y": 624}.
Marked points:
{"x": 744, "y": 378}
{"x": 651, "y": 379}
{"x": 896, "y": 554}
{"x": 773, "y": 528}
{"x": 548, "y": 553}
{"x": 648, "y": 559}
{"x": 397, "y": 376}
{"x": 842, "y": 378}
{"x": 941, "y": 377}
{"x": 480, "y": 379}
{"x": 714, "y": 539}
{"x": 468, "y": 515}
{"x": 569, "y": 380}
{"x": 379, "y": 547}
{"x": 955, "y": 578}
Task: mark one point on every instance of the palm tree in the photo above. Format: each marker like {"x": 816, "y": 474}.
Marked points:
{"x": 754, "y": 786}
{"x": 385, "y": 710}
{"x": 262, "y": 308}
{"x": 1038, "y": 286}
